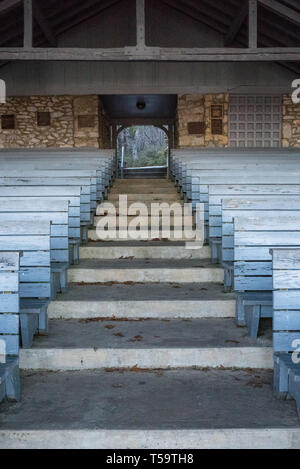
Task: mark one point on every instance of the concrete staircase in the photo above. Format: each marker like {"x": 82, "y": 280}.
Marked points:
{"x": 143, "y": 352}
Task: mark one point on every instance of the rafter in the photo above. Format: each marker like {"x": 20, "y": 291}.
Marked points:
{"x": 43, "y": 24}
{"x": 7, "y": 5}
{"x": 195, "y": 15}
{"x": 282, "y": 10}
{"x": 236, "y": 25}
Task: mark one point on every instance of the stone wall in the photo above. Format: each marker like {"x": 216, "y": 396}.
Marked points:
{"x": 27, "y": 133}
{"x": 74, "y": 122}
{"x": 197, "y": 109}
{"x": 290, "y": 123}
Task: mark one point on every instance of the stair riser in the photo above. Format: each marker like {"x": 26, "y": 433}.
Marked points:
{"x": 140, "y": 197}
{"x": 146, "y": 221}
{"x": 145, "y": 275}
{"x": 143, "y": 189}
{"x": 167, "y": 252}
{"x": 241, "y": 438}
{"x": 141, "y": 309}
{"x": 140, "y": 236}
{"x": 170, "y": 358}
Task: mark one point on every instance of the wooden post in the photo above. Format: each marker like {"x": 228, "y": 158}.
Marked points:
{"x": 140, "y": 24}
{"x": 252, "y": 24}
{"x": 28, "y": 24}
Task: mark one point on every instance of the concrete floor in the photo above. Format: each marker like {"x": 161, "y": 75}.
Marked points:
{"x": 83, "y": 409}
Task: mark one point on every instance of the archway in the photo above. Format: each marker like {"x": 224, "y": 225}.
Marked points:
{"x": 143, "y": 146}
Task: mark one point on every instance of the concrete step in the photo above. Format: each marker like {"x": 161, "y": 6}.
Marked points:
{"x": 141, "y": 197}
{"x": 175, "y": 409}
{"x": 95, "y": 234}
{"x": 143, "y": 189}
{"x": 164, "y": 301}
{"x": 147, "y": 182}
{"x": 183, "y": 409}
{"x": 147, "y": 203}
{"x": 142, "y": 250}
{"x": 150, "y": 344}
{"x": 145, "y": 271}
{"x": 146, "y": 221}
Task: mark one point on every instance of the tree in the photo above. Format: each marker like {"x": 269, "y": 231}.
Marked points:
{"x": 144, "y": 146}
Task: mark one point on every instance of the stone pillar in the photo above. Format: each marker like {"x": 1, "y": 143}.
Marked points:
{"x": 290, "y": 123}
{"x": 196, "y": 109}
{"x": 86, "y": 121}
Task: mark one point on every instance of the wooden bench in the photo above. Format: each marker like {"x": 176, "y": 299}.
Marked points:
{"x": 39, "y": 160}
{"x": 253, "y": 238}
{"x": 286, "y": 323}
{"x": 252, "y": 205}
{"x": 84, "y": 184}
{"x": 33, "y": 239}
{"x": 9, "y": 326}
{"x": 68, "y": 193}
{"x": 55, "y": 212}
{"x": 218, "y": 193}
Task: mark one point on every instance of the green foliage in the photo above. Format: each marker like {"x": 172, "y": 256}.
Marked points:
{"x": 144, "y": 146}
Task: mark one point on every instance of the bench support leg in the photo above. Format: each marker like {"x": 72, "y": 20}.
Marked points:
{"x": 2, "y": 392}
{"x": 280, "y": 380}
{"x": 29, "y": 326}
{"x": 84, "y": 234}
{"x": 240, "y": 311}
{"x": 294, "y": 389}
{"x": 43, "y": 321}
{"x": 13, "y": 387}
{"x": 228, "y": 280}
{"x": 253, "y": 314}
{"x": 63, "y": 280}
{"x": 214, "y": 253}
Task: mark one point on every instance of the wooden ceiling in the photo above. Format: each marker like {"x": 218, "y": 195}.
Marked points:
{"x": 228, "y": 17}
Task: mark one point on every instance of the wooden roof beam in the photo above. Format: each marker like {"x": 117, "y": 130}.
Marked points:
{"x": 195, "y": 15}
{"x": 236, "y": 25}
{"x": 44, "y": 24}
{"x": 156, "y": 54}
{"x": 7, "y": 5}
{"x": 282, "y": 10}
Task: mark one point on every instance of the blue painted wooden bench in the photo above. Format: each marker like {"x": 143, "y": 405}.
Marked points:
{"x": 33, "y": 239}
{"x": 55, "y": 212}
{"x": 84, "y": 184}
{"x": 252, "y": 205}
{"x": 103, "y": 163}
{"x": 234, "y": 177}
{"x": 286, "y": 323}
{"x": 253, "y": 238}
{"x": 68, "y": 194}
{"x": 220, "y": 193}
{"x": 9, "y": 326}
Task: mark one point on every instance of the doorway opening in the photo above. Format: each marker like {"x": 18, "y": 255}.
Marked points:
{"x": 142, "y": 146}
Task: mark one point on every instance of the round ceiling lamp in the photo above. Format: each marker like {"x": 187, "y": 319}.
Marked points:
{"x": 141, "y": 105}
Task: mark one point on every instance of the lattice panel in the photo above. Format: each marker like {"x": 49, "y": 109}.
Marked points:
{"x": 255, "y": 121}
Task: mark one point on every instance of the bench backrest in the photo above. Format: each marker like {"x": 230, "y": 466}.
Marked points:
{"x": 9, "y": 304}
{"x": 253, "y": 238}
{"x": 70, "y": 194}
{"x": 52, "y": 211}
{"x": 286, "y": 299}
{"x": 33, "y": 239}
{"x": 222, "y": 192}
{"x": 255, "y": 207}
